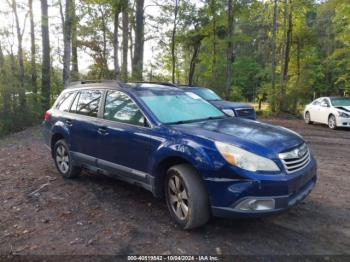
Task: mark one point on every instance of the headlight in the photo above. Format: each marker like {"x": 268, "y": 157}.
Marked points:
{"x": 229, "y": 112}
{"x": 342, "y": 114}
{"x": 244, "y": 159}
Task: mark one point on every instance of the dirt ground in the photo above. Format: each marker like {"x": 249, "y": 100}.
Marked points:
{"x": 42, "y": 213}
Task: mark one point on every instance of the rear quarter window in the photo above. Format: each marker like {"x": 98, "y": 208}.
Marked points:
{"x": 65, "y": 102}
{"x": 87, "y": 103}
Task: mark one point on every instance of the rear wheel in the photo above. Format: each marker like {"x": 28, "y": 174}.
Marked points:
{"x": 307, "y": 118}
{"x": 186, "y": 196}
{"x": 332, "y": 122}
{"x": 63, "y": 160}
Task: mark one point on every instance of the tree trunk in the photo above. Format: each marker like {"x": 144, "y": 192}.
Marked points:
{"x": 32, "y": 50}
{"x": 67, "y": 33}
{"x": 105, "y": 72}
{"x": 173, "y": 34}
{"x": 2, "y": 60}
{"x": 131, "y": 44}
{"x": 213, "y": 66}
{"x": 125, "y": 23}
{"x": 116, "y": 42}
{"x": 229, "y": 51}
{"x": 283, "y": 45}
{"x": 286, "y": 58}
{"x": 5, "y": 97}
{"x": 273, "y": 73}
{"x": 193, "y": 63}
{"x": 75, "y": 67}
{"x": 45, "y": 86}
{"x": 137, "y": 63}
{"x": 21, "y": 91}
{"x": 298, "y": 59}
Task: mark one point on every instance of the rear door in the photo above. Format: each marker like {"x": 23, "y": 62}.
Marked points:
{"x": 124, "y": 143}
{"x": 84, "y": 125}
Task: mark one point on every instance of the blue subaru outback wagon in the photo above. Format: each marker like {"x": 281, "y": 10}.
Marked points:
{"x": 177, "y": 145}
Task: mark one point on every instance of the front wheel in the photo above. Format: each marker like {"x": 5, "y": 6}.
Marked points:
{"x": 186, "y": 196}
{"x": 332, "y": 122}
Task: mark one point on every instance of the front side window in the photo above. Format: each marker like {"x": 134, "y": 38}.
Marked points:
{"x": 180, "y": 107}
{"x": 87, "y": 103}
{"x": 325, "y": 102}
{"x": 65, "y": 102}
{"x": 120, "y": 107}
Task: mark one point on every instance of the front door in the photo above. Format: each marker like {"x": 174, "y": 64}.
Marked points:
{"x": 124, "y": 146}
{"x": 324, "y": 111}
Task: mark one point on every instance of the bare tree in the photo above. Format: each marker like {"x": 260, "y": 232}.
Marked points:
{"x": 173, "y": 35}
{"x": 67, "y": 33}
{"x": 32, "y": 49}
{"x": 117, "y": 11}
{"x": 229, "y": 51}
{"x": 75, "y": 68}
{"x": 137, "y": 63}
{"x": 125, "y": 22}
{"x": 273, "y": 73}
{"x": 287, "y": 46}
{"x": 213, "y": 7}
{"x": 21, "y": 93}
{"x": 45, "y": 86}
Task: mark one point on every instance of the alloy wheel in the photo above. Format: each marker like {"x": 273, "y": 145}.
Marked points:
{"x": 178, "y": 197}
{"x": 332, "y": 122}
{"x": 307, "y": 117}
{"x": 62, "y": 159}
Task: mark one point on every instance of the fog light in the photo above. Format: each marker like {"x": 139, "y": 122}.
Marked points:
{"x": 252, "y": 204}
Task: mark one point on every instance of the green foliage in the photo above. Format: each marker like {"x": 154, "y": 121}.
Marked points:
{"x": 318, "y": 63}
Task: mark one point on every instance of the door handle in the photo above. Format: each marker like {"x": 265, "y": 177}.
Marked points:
{"x": 68, "y": 122}
{"x": 102, "y": 131}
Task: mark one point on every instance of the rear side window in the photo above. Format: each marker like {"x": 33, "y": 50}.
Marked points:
{"x": 121, "y": 108}
{"x": 65, "y": 102}
{"x": 87, "y": 103}
{"x": 316, "y": 102}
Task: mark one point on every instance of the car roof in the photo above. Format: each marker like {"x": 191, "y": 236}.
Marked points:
{"x": 192, "y": 87}
{"x": 141, "y": 88}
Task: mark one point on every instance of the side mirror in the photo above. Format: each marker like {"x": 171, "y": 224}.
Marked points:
{"x": 324, "y": 104}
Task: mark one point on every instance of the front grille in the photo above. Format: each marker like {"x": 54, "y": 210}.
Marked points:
{"x": 296, "y": 159}
{"x": 242, "y": 112}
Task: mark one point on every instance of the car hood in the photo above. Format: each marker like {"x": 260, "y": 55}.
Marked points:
{"x": 254, "y": 136}
{"x": 222, "y": 104}
{"x": 345, "y": 108}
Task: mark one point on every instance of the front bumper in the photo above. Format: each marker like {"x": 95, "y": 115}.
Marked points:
{"x": 284, "y": 194}
{"x": 343, "y": 122}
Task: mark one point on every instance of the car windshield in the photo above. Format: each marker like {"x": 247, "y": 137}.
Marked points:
{"x": 181, "y": 108}
{"x": 341, "y": 101}
{"x": 206, "y": 94}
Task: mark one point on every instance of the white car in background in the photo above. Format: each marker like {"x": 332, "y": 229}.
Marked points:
{"x": 333, "y": 111}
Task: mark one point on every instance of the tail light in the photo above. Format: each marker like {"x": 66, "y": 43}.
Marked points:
{"x": 47, "y": 116}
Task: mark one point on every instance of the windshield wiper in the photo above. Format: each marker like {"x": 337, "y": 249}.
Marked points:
{"x": 196, "y": 120}
{"x": 216, "y": 117}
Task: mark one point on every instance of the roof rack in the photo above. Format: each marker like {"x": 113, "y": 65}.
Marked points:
{"x": 84, "y": 82}
{"x": 184, "y": 85}
{"x": 156, "y": 83}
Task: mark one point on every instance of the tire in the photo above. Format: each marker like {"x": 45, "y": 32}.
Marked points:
{"x": 63, "y": 160}
{"x": 307, "y": 118}
{"x": 332, "y": 122}
{"x": 185, "y": 190}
